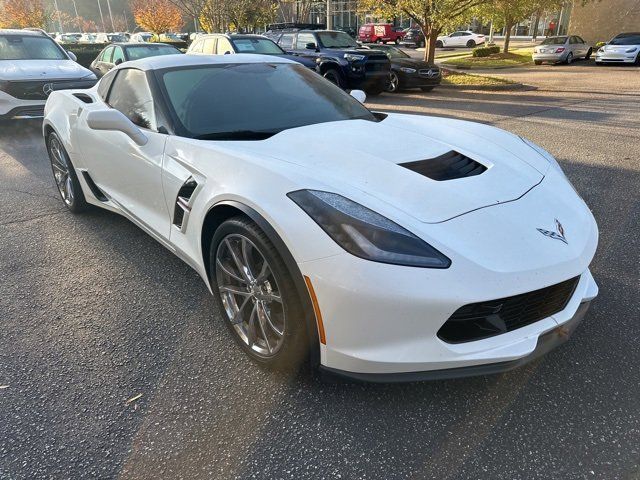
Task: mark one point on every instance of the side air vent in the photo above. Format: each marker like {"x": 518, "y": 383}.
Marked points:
{"x": 99, "y": 194}
{"x": 183, "y": 204}
{"x": 84, "y": 97}
{"x": 448, "y": 166}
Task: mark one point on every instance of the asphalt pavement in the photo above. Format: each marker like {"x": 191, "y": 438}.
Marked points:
{"x": 115, "y": 363}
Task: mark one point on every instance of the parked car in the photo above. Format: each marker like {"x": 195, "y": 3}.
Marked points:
{"x": 223, "y": 44}
{"x": 460, "y": 38}
{"x": 407, "y": 72}
{"x": 110, "y": 38}
{"x": 383, "y": 247}
{"x": 141, "y": 37}
{"x": 32, "y": 65}
{"x": 88, "y": 38}
{"x": 67, "y": 38}
{"x": 339, "y": 58}
{"x": 118, "y": 53}
{"x": 413, "y": 38}
{"x": 380, "y": 33}
{"x": 563, "y": 49}
{"x": 623, "y": 48}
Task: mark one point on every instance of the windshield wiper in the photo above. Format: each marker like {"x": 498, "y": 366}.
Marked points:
{"x": 237, "y": 135}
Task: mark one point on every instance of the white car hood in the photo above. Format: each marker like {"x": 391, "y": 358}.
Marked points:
{"x": 41, "y": 70}
{"x": 619, "y": 48}
{"x": 365, "y": 155}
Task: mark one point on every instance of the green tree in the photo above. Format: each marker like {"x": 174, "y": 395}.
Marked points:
{"x": 432, "y": 16}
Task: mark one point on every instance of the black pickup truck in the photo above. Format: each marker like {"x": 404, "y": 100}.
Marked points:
{"x": 339, "y": 58}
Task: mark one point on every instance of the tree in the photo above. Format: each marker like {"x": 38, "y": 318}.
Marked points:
{"x": 24, "y": 13}
{"x": 157, "y": 16}
{"x": 432, "y": 16}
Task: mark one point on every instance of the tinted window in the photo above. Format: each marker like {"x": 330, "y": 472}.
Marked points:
{"x": 286, "y": 41}
{"x": 262, "y": 46}
{"x": 303, "y": 39}
{"x": 554, "y": 41}
{"x": 580, "y": 40}
{"x": 209, "y": 46}
{"x": 118, "y": 54}
{"x": 28, "y": 47}
{"x": 131, "y": 95}
{"x": 336, "y": 40}
{"x": 105, "y": 83}
{"x": 626, "y": 39}
{"x": 144, "y": 51}
{"x": 106, "y": 55}
{"x": 254, "y": 100}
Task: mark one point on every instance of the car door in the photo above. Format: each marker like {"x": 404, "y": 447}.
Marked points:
{"x": 103, "y": 62}
{"x": 129, "y": 174}
{"x": 118, "y": 56}
{"x": 582, "y": 46}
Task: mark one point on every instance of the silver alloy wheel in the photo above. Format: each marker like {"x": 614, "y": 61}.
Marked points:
{"x": 394, "y": 82}
{"x": 61, "y": 172}
{"x": 250, "y": 295}
{"x": 569, "y": 58}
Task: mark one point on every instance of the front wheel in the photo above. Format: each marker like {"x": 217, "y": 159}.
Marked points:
{"x": 334, "y": 77}
{"x": 537, "y": 62}
{"x": 588, "y": 56}
{"x": 439, "y": 44}
{"x": 256, "y": 295}
{"x": 394, "y": 83}
{"x": 65, "y": 175}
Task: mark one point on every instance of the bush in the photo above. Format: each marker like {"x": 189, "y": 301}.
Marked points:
{"x": 86, "y": 52}
{"x": 485, "y": 51}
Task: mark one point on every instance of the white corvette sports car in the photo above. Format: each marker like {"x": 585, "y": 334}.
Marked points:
{"x": 388, "y": 247}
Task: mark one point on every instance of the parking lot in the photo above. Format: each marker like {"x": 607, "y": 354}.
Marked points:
{"x": 95, "y": 313}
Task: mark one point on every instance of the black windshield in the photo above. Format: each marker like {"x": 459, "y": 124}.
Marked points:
{"x": 626, "y": 39}
{"x": 253, "y": 101}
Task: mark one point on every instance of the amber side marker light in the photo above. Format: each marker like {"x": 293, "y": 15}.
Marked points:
{"x": 316, "y": 310}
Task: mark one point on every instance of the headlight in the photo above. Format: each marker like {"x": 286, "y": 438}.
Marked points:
{"x": 407, "y": 70}
{"x": 89, "y": 76}
{"x": 631, "y": 50}
{"x": 365, "y": 233}
{"x": 352, "y": 57}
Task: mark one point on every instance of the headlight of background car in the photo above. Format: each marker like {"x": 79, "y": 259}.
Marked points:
{"x": 352, "y": 57}
{"x": 365, "y": 233}
{"x": 407, "y": 70}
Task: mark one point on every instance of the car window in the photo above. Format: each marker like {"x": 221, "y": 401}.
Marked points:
{"x": 231, "y": 101}
{"x": 209, "y": 46}
{"x": 150, "y": 50}
{"x": 626, "y": 39}
{"x": 262, "y": 46}
{"x": 303, "y": 39}
{"x": 118, "y": 54}
{"x": 554, "y": 41}
{"x": 286, "y": 41}
{"x": 105, "y": 84}
{"x": 336, "y": 40}
{"x": 106, "y": 55}
{"x": 572, "y": 40}
{"x": 197, "y": 47}
{"x": 455, "y": 34}
{"x": 130, "y": 94}
{"x": 29, "y": 47}
{"x": 223, "y": 46}
{"x": 580, "y": 40}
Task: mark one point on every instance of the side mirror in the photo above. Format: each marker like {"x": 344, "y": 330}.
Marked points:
{"x": 72, "y": 56}
{"x": 115, "y": 120}
{"x": 310, "y": 46}
{"x": 358, "y": 95}
{"x": 118, "y": 61}
{"x": 227, "y": 52}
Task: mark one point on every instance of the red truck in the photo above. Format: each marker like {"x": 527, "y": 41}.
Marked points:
{"x": 380, "y": 33}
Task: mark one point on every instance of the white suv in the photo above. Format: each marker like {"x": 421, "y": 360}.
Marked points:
{"x": 32, "y": 65}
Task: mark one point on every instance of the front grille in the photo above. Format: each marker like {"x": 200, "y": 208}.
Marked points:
{"x": 35, "y": 90}
{"x": 448, "y": 166}
{"x": 486, "y": 319}
{"x": 429, "y": 72}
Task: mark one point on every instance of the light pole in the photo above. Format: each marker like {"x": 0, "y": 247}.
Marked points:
{"x": 75, "y": 8}
{"x": 113, "y": 29}
{"x": 104, "y": 29}
{"x": 329, "y": 16}
{"x": 55, "y": 2}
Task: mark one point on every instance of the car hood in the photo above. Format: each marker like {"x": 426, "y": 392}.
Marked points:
{"x": 618, "y": 48}
{"x": 411, "y": 63}
{"x": 307, "y": 62}
{"x": 41, "y": 70}
{"x": 364, "y": 155}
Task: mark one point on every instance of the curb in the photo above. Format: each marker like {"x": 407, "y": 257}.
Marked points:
{"x": 491, "y": 88}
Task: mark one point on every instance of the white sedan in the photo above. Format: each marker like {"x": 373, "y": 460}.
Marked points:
{"x": 384, "y": 247}
{"x": 463, "y": 38}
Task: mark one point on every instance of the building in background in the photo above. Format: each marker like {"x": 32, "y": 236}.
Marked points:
{"x": 601, "y": 21}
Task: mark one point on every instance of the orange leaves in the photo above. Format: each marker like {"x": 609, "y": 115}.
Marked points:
{"x": 157, "y": 16}
{"x": 23, "y": 14}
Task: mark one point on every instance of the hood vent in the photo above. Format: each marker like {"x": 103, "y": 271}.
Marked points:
{"x": 448, "y": 166}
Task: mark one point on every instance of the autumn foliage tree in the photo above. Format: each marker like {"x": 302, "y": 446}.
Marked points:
{"x": 157, "y": 16}
{"x": 23, "y": 14}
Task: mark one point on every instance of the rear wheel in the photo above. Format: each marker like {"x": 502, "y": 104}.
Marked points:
{"x": 471, "y": 44}
{"x": 569, "y": 59}
{"x": 256, "y": 295}
{"x": 65, "y": 175}
{"x": 378, "y": 40}
{"x": 397, "y": 41}
{"x": 334, "y": 77}
{"x": 537, "y": 62}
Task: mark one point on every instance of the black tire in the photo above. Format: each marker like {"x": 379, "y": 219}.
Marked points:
{"x": 427, "y": 89}
{"x": 378, "y": 40}
{"x": 471, "y": 44}
{"x": 334, "y": 77}
{"x": 588, "y": 56}
{"x": 569, "y": 59}
{"x": 393, "y": 86}
{"x": 637, "y": 62}
{"x": 291, "y": 352}
{"x": 439, "y": 44}
{"x": 397, "y": 41}
{"x": 537, "y": 62}
{"x": 71, "y": 193}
